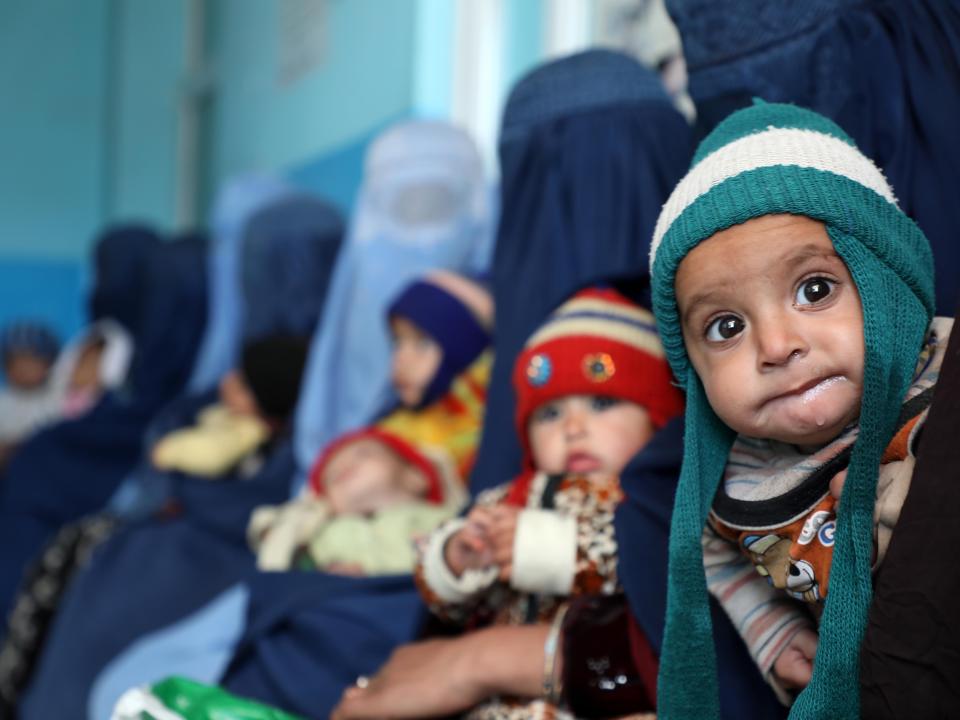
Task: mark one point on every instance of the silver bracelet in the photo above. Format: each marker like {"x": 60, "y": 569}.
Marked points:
{"x": 552, "y": 684}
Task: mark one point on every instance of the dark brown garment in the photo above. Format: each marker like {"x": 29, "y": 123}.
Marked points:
{"x": 609, "y": 668}
{"x": 910, "y": 658}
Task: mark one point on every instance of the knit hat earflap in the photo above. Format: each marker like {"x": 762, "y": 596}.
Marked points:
{"x": 596, "y": 343}
{"x": 767, "y": 159}
{"x": 457, "y": 312}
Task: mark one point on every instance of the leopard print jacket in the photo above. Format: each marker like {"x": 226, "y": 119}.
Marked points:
{"x": 592, "y": 502}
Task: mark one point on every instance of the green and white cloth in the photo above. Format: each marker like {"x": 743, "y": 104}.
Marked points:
{"x": 178, "y": 698}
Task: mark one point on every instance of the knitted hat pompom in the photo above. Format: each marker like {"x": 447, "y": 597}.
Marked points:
{"x": 762, "y": 160}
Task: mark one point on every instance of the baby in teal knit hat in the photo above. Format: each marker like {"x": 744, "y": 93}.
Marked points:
{"x": 795, "y": 301}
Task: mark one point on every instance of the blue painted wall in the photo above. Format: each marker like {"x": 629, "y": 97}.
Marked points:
{"x": 52, "y": 60}
{"x": 146, "y": 77}
{"x": 523, "y": 39}
{"x": 364, "y": 79}
{"x": 433, "y": 60}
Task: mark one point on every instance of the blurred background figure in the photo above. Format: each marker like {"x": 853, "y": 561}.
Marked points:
{"x": 28, "y": 351}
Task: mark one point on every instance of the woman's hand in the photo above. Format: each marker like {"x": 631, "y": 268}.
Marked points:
{"x": 442, "y": 677}
{"x": 426, "y": 679}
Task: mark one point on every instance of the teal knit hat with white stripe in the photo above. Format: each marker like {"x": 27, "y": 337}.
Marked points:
{"x": 766, "y": 159}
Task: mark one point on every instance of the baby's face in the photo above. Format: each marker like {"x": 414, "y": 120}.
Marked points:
{"x": 25, "y": 370}
{"x": 587, "y": 434}
{"x": 416, "y": 359}
{"x": 773, "y": 325}
{"x": 86, "y": 371}
{"x": 237, "y": 396}
{"x": 365, "y": 476}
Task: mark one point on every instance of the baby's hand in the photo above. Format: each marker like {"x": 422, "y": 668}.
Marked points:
{"x": 158, "y": 455}
{"x": 794, "y": 667}
{"x": 345, "y": 568}
{"x": 836, "y": 484}
{"x": 500, "y": 524}
{"x": 468, "y": 549}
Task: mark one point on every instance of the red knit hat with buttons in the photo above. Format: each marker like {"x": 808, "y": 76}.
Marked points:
{"x": 406, "y": 450}
{"x": 596, "y": 343}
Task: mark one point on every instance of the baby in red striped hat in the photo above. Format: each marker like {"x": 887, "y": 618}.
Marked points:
{"x": 592, "y": 386}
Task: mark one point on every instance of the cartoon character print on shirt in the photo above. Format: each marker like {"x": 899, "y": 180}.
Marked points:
{"x": 796, "y": 558}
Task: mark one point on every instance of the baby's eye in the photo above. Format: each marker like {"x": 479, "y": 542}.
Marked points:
{"x": 599, "y": 403}
{"x": 546, "y": 413}
{"x": 813, "y": 291}
{"x": 724, "y": 328}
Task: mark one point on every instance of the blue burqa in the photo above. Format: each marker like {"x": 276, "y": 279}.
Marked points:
{"x": 236, "y": 204}
{"x": 886, "y": 71}
{"x": 119, "y": 270}
{"x": 288, "y": 252}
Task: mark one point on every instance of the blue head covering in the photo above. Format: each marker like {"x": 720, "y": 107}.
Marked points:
{"x": 590, "y": 147}
{"x": 119, "y": 266}
{"x": 423, "y": 205}
{"x": 887, "y": 72}
{"x": 166, "y": 343}
{"x": 288, "y": 255}
{"x": 236, "y": 204}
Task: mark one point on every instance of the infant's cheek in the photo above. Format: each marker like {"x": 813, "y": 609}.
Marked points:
{"x": 737, "y": 414}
